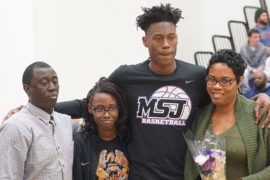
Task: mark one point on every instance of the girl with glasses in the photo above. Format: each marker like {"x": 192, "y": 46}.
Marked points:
{"x": 100, "y": 148}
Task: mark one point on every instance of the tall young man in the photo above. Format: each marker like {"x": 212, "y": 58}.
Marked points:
{"x": 163, "y": 94}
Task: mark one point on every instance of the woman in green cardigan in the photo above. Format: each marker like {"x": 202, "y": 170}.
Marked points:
{"x": 231, "y": 115}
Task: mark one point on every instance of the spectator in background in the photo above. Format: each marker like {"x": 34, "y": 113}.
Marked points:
{"x": 260, "y": 85}
{"x": 262, "y": 25}
{"x": 254, "y": 54}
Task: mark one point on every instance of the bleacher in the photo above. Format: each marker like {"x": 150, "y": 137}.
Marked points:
{"x": 237, "y": 34}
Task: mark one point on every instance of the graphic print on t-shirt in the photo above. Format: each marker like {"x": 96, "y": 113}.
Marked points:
{"x": 169, "y": 105}
{"x": 112, "y": 165}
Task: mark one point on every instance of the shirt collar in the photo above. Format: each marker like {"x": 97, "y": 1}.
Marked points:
{"x": 39, "y": 113}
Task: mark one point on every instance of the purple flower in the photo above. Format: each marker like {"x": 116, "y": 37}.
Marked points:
{"x": 207, "y": 152}
{"x": 208, "y": 166}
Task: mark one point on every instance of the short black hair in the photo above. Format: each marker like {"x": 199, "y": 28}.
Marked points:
{"x": 162, "y": 13}
{"x": 28, "y": 72}
{"x": 252, "y": 31}
{"x": 232, "y": 59}
{"x": 258, "y": 13}
{"x": 105, "y": 86}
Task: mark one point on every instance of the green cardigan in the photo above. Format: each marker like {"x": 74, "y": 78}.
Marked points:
{"x": 256, "y": 140}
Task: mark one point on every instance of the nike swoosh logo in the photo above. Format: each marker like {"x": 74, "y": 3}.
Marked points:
{"x": 83, "y": 164}
{"x": 189, "y": 81}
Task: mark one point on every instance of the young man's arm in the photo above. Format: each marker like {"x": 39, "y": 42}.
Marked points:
{"x": 74, "y": 108}
{"x": 262, "y": 107}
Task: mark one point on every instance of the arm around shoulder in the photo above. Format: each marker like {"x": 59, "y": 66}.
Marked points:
{"x": 74, "y": 108}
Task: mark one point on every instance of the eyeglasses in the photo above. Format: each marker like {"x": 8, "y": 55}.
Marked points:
{"x": 100, "y": 111}
{"x": 223, "y": 81}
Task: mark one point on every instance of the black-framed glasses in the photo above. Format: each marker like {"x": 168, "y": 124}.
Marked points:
{"x": 100, "y": 110}
{"x": 223, "y": 81}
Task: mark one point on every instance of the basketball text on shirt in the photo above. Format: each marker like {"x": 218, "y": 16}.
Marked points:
{"x": 169, "y": 105}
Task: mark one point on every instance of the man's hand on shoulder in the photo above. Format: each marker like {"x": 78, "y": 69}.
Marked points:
{"x": 262, "y": 108}
{"x": 11, "y": 112}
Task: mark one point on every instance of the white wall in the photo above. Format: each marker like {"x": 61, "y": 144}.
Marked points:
{"x": 16, "y": 50}
{"x": 86, "y": 39}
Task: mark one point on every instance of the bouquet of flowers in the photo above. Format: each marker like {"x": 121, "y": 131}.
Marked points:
{"x": 208, "y": 154}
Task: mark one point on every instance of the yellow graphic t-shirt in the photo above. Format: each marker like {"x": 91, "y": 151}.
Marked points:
{"x": 112, "y": 165}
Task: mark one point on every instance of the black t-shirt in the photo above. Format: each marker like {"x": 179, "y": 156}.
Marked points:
{"x": 161, "y": 107}
{"x": 97, "y": 159}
